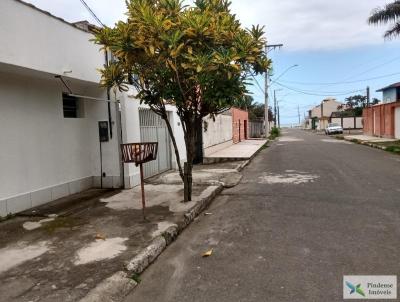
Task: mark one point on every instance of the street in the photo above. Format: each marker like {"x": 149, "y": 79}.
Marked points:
{"x": 309, "y": 210}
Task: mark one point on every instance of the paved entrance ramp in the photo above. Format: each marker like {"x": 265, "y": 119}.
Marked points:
{"x": 241, "y": 151}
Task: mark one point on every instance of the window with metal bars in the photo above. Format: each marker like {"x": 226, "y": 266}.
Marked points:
{"x": 70, "y": 106}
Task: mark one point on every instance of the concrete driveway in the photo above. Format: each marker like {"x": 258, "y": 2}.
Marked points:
{"x": 309, "y": 210}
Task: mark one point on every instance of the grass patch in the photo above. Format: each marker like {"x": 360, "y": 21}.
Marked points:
{"x": 340, "y": 137}
{"x": 389, "y": 144}
{"x": 356, "y": 141}
{"x": 136, "y": 278}
{"x": 393, "y": 149}
{"x": 275, "y": 132}
{"x": 59, "y": 223}
{"x": 8, "y": 217}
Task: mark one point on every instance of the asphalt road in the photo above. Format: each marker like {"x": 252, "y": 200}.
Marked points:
{"x": 309, "y": 210}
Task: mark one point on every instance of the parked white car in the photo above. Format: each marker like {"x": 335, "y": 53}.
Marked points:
{"x": 333, "y": 129}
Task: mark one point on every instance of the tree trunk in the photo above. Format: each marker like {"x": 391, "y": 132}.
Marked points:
{"x": 177, "y": 156}
{"x": 198, "y": 159}
{"x": 190, "y": 140}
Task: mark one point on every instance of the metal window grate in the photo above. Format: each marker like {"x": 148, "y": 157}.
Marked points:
{"x": 149, "y": 119}
{"x": 70, "y": 106}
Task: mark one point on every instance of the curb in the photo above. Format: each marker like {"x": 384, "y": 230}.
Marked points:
{"x": 118, "y": 286}
{"x": 248, "y": 161}
{"x": 372, "y": 145}
{"x": 114, "y": 288}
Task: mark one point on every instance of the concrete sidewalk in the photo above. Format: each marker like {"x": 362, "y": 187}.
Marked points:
{"x": 368, "y": 138}
{"x": 92, "y": 246}
{"x": 241, "y": 151}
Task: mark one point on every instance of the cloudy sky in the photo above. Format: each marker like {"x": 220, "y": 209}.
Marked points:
{"x": 329, "y": 40}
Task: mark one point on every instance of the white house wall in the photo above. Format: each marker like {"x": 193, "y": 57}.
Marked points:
{"x": 35, "y": 40}
{"x": 44, "y": 156}
{"x": 218, "y": 131}
{"x": 131, "y": 133}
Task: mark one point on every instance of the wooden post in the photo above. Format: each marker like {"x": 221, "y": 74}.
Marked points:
{"x": 185, "y": 181}
{"x": 142, "y": 188}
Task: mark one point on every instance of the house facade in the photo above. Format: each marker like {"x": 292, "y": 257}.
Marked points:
{"x": 61, "y": 131}
{"x": 319, "y": 116}
{"x": 383, "y": 120}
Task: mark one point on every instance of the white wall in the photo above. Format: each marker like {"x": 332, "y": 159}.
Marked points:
{"x": 131, "y": 133}
{"x": 397, "y": 123}
{"x": 35, "y": 40}
{"x": 218, "y": 131}
{"x": 44, "y": 156}
{"x": 348, "y": 122}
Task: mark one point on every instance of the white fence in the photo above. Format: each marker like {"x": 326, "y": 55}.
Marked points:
{"x": 350, "y": 122}
{"x": 257, "y": 129}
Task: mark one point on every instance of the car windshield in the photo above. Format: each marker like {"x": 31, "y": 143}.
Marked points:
{"x": 334, "y": 125}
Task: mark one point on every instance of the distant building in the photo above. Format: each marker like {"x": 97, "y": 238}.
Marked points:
{"x": 390, "y": 93}
{"x": 318, "y": 117}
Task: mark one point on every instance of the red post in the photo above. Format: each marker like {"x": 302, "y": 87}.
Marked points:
{"x": 142, "y": 187}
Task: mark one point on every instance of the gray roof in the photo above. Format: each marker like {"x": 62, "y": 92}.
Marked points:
{"x": 395, "y": 85}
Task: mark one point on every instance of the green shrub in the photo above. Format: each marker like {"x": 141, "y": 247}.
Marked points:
{"x": 275, "y": 132}
{"x": 394, "y": 149}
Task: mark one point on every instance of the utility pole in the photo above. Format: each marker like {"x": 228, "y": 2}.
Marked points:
{"x": 266, "y": 118}
{"x": 368, "y": 96}
{"x": 298, "y": 112}
{"x": 275, "y": 108}
{"x": 279, "y": 118}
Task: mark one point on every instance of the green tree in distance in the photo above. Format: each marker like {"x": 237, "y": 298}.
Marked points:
{"x": 256, "y": 110}
{"x": 196, "y": 57}
{"x": 390, "y": 13}
{"x": 355, "y": 104}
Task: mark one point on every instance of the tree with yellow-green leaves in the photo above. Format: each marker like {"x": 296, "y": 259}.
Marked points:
{"x": 197, "y": 58}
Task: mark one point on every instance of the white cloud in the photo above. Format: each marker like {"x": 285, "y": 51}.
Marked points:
{"x": 313, "y": 24}
{"x": 300, "y": 25}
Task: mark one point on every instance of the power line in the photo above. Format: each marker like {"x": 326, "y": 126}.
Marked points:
{"x": 345, "y": 82}
{"x": 373, "y": 68}
{"x": 316, "y": 93}
{"x": 319, "y": 91}
{"x": 258, "y": 84}
{"x": 92, "y": 13}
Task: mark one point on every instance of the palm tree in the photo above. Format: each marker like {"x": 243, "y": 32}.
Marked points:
{"x": 390, "y": 13}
